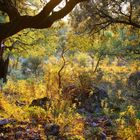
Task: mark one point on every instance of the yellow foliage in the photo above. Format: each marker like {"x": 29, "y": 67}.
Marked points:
{"x": 128, "y": 124}
{"x": 60, "y": 111}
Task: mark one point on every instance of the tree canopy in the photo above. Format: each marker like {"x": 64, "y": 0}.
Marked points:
{"x": 19, "y": 19}
{"x": 16, "y": 15}
{"x": 96, "y": 15}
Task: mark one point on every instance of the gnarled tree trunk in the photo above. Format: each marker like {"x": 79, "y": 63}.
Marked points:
{"x": 3, "y": 64}
{"x": 4, "y": 68}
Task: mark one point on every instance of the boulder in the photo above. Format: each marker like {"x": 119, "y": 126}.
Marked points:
{"x": 41, "y": 102}
{"x": 71, "y": 92}
{"x": 98, "y": 93}
{"x": 89, "y": 99}
{"x": 6, "y": 121}
{"x": 93, "y": 102}
{"x": 52, "y": 130}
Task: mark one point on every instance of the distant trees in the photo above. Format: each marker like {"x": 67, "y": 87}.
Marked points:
{"x": 121, "y": 43}
{"x": 113, "y": 26}
{"x": 33, "y": 65}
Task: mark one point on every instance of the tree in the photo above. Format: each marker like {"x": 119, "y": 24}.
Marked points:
{"x": 120, "y": 43}
{"x": 20, "y": 18}
{"x": 96, "y": 15}
{"x": 32, "y": 66}
{"x": 121, "y": 17}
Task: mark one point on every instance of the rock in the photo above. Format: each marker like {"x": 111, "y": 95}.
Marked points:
{"x": 88, "y": 99}
{"x": 99, "y": 93}
{"x": 134, "y": 80}
{"x": 91, "y": 106}
{"x": 71, "y": 92}
{"x": 93, "y": 102}
{"x": 41, "y": 102}
{"x": 6, "y": 121}
{"x": 52, "y": 130}
{"x": 94, "y": 124}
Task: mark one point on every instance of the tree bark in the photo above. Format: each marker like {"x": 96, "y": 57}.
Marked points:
{"x": 97, "y": 64}
{"x": 4, "y": 68}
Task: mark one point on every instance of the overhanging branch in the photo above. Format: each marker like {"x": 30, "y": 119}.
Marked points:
{"x": 8, "y": 7}
{"x": 43, "y": 20}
